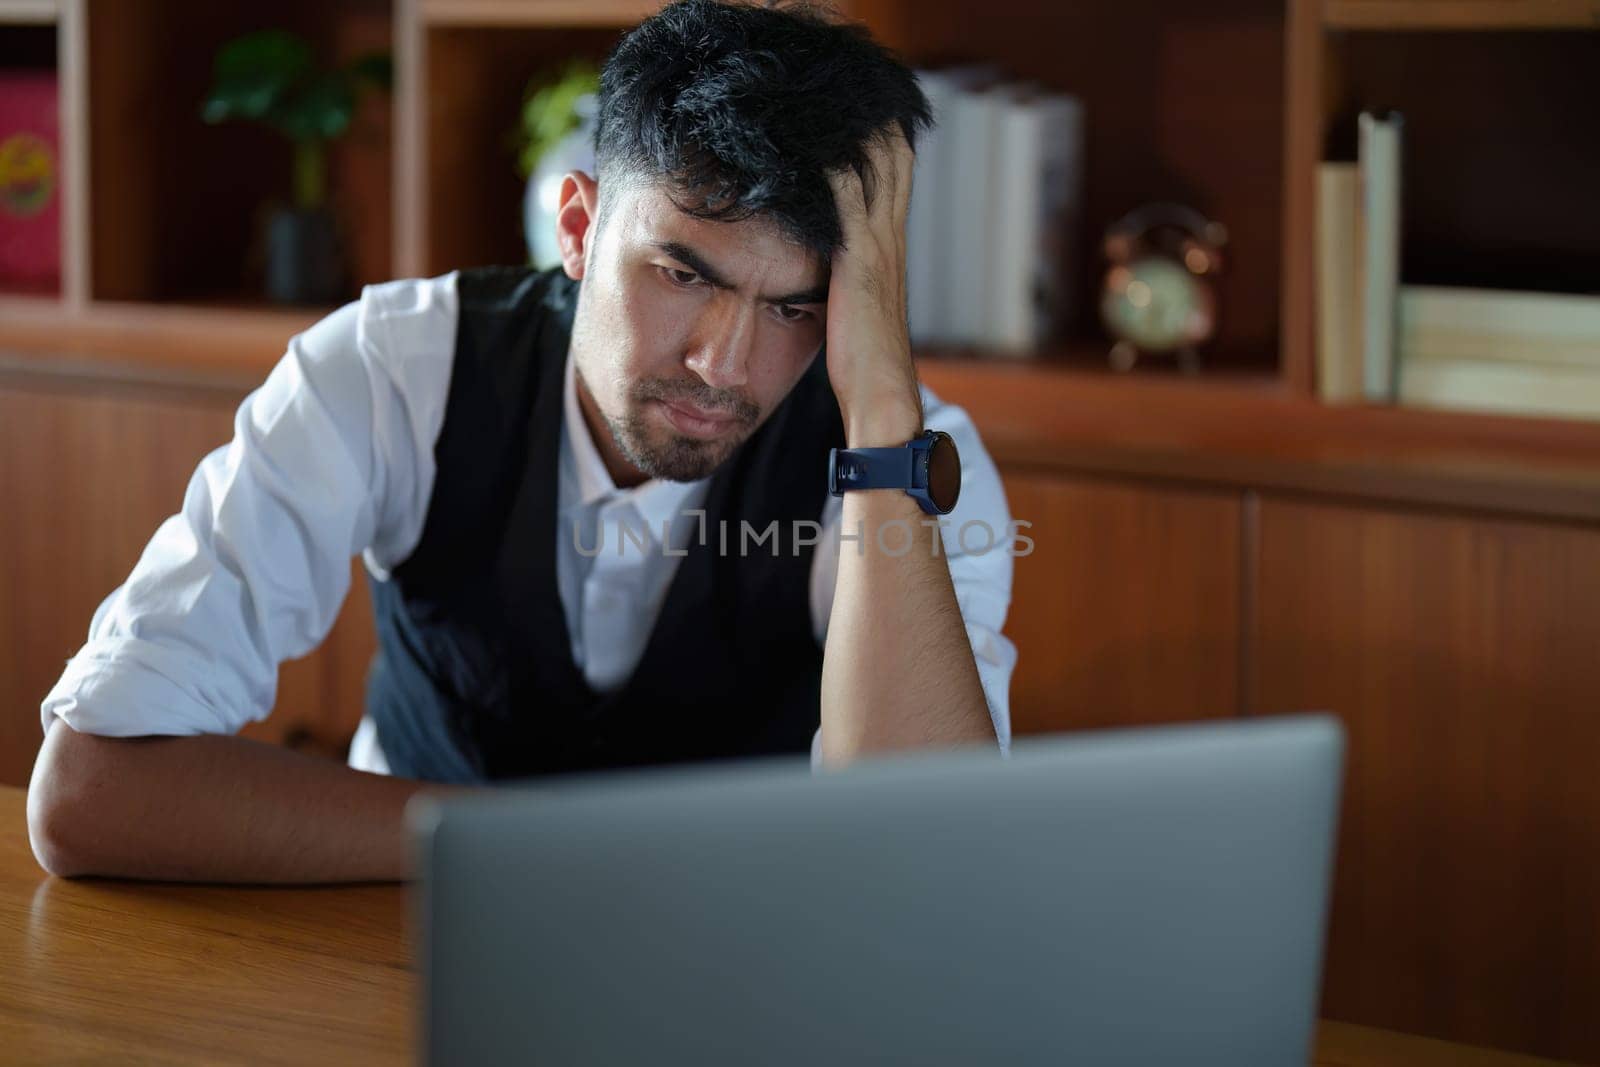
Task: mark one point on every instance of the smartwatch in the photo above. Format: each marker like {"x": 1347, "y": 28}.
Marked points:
{"x": 926, "y": 468}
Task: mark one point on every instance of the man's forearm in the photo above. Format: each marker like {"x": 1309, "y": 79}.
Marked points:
{"x": 212, "y": 808}
{"x": 898, "y": 670}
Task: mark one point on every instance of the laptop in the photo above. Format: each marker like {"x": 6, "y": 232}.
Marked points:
{"x": 1122, "y": 897}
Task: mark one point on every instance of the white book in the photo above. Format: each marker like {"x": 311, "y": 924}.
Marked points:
{"x": 1339, "y": 319}
{"x": 1380, "y": 205}
{"x": 1037, "y": 183}
{"x": 974, "y": 129}
{"x": 930, "y": 226}
{"x": 923, "y": 243}
{"x": 1486, "y": 324}
{"x": 1505, "y": 388}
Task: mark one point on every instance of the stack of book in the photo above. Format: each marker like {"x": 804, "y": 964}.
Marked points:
{"x": 994, "y": 217}
{"x": 1433, "y": 346}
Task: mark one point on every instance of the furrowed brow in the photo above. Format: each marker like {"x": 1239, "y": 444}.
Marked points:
{"x": 697, "y": 263}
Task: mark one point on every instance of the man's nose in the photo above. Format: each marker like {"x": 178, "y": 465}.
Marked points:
{"x": 721, "y": 355}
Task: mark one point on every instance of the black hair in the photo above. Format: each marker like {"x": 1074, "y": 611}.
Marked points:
{"x": 743, "y": 109}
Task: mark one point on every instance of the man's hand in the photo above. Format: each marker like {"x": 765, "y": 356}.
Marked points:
{"x": 868, "y": 341}
{"x": 885, "y": 688}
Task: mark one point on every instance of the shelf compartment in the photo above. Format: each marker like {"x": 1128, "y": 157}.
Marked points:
{"x": 176, "y": 203}
{"x": 464, "y": 192}
{"x": 1162, "y": 122}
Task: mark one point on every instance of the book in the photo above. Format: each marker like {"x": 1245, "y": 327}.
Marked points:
{"x": 974, "y": 129}
{"x": 1037, "y": 182}
{"x": 1501, "y": 387}
{"x": 1379, "y": 152}
{"x": 935, "y": 204}
{"x": 30, "y": 182}
{"x": 1557, "y": 329}
{"x": 1339, "y": 284}
{"x": 926, "y": 217}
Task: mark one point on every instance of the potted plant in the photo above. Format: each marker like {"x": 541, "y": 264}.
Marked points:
{"x": 556, "y": 135}
{"x": 271, "y": 77}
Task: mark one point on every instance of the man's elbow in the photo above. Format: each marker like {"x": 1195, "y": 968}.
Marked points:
{"x": 59, "y": 818}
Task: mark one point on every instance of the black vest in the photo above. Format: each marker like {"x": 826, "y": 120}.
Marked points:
{"x": 474, "y": 677}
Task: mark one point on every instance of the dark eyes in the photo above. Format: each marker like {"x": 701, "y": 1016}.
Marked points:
{"x": 688, "y": 279}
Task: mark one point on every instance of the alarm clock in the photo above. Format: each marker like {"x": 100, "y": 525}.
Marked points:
{"x": 1159, "y": 296}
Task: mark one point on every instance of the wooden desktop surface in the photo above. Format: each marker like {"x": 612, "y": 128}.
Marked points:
{"x": 100, "y": 970}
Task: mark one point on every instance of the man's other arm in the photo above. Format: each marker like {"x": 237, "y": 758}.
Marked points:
{"x": 211, "y": 808}
{"x": 139, "y": 774}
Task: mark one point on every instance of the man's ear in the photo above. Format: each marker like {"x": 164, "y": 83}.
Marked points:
{"x": 576, "y": 212}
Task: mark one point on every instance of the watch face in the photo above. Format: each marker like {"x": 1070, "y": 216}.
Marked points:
{"x": 944, "y": 472}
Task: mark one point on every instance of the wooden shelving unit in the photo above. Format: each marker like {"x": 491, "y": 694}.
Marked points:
{"x": 159, "y": 209}
{"x": 1497, "y": 179}
{"x": 159, "y": 215}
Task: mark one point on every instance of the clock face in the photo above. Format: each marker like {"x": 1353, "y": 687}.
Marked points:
{"x": 1155, "y": 303}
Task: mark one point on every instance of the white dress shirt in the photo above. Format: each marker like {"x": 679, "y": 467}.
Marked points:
{"x": 333, "y": 456}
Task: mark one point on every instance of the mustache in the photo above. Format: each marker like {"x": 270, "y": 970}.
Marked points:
{"x": 701, "y": 395}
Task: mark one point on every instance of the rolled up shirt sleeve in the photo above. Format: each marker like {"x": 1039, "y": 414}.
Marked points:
{"x": 978, "y": 541}
{"x": 253, "y": 569}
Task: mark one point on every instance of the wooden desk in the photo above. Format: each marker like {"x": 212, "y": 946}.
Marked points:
{"x": 104, "y": 970}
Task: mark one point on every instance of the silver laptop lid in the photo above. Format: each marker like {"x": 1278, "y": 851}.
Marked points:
{"x": 1120, "y": 897}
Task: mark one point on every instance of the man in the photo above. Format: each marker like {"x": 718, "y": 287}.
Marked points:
{"x": 553, "y": 479}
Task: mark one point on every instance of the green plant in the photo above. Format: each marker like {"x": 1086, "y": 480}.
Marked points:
{"x": 271, "y": 77}
{"x": 548, "y": 112}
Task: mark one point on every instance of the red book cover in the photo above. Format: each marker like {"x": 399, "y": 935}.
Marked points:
{"x": 30, "y": 182}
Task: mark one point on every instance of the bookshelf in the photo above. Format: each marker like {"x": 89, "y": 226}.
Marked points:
{"x": 158, "y": 207}
{"x": 159, "y": 214}
{"x": 1498, "y": 176}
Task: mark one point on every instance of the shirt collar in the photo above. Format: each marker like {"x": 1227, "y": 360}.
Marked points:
{"x": 656, "y": 500}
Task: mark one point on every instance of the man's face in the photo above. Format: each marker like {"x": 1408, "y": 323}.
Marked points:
{"x": 690, "y": 332}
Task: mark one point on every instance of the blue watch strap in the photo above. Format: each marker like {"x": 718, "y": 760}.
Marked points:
{"x": 872, "y": 468}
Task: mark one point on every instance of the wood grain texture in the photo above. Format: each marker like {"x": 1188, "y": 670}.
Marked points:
{"x": 1461, "y": 654}
{"x": 1302, "y": 152}
{"x": 208, "y": 342}
{"x": 543, "y": 13}
{"x": 88, "y": 473}
{"x": 1461, "y": 14}
{"x": 1247, "y": 433}
{"x": 119, "y": 972}
{"x": 1127, "y": 610}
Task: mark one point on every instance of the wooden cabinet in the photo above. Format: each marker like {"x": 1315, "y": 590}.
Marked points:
{"x": 1462, "y": 652}
{"x": 1463, "y": 655}
{"x": 88, "y": 471}
{"x": 1127, "y": 610}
